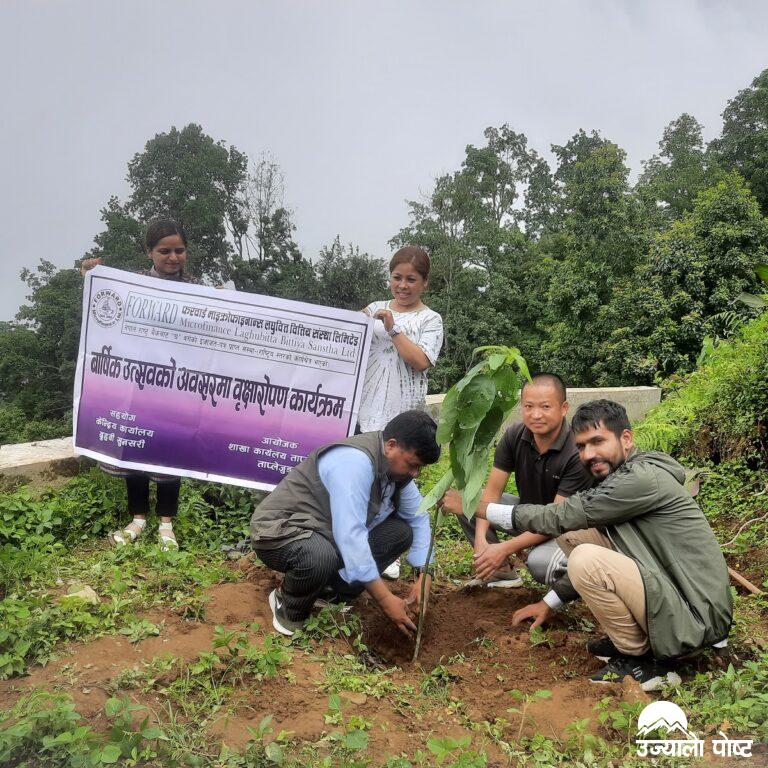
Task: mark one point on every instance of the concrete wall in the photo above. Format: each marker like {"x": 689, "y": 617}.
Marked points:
{"x": 637, "y": 400}
{"x": 56, "y": 457}
{"x": 31, "y": 460}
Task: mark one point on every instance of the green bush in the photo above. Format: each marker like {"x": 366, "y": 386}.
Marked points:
{"x": 719, "y": 412}
{"x": 16, "y": 427}
{"x": 45, "y": 730}
{"x": 58, "y": 533}
{"x": 87, "y": 506}
{"x": 739, "y": 696}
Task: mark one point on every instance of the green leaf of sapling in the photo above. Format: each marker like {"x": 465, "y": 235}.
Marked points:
{"x": 436, "y": 493}
{"x": 476, "y": 400}
{"x": 449, "y": 411}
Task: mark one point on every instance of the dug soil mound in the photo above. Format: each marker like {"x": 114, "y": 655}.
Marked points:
{"x": 467, "y": 622}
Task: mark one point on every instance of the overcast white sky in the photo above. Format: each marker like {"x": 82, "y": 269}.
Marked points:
{"x": 362, "y": 103}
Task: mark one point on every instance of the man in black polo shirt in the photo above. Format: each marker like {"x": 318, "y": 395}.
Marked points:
{"x": 541, "y": 452}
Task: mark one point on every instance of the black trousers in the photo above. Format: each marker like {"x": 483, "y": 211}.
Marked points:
{"x": 137, "y": 487}
{"x": 312, "y": 564}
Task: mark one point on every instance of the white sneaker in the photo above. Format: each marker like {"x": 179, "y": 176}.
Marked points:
{"x": 393, "y": 571}
{"x": 510, "y": 581}
{"x": 515, "y": 582}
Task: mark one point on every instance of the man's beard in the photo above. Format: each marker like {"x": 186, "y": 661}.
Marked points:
{"x": 612, "y": 467}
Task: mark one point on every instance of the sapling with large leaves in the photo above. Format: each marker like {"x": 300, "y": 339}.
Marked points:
{"x": 471, "y": 415}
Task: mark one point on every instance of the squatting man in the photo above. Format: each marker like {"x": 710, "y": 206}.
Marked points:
{"x": 349, "y": 510}
{"x": 541, "y": 453}
{"x": 640, "y": 552}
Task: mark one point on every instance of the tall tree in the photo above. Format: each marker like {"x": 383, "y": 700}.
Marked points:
{"x": 186, "y": 175}
{"x": 687, "y": 289}
{"x": 540, "y": 215}
{"x": 743, "y": 143}
{"x": 600, "y": 239}
{"x": 672, "y": 179}
{"x": 47, "y": 363}
{"x": 483, "y": 266}
{"x": 268, "y": 260}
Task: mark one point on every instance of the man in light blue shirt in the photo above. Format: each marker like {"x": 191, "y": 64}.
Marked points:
{"x": 342, "y": 516}
{"x": 347, "y": 474}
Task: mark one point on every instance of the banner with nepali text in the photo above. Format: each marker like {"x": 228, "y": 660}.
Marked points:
{"x": 189, "y": 380}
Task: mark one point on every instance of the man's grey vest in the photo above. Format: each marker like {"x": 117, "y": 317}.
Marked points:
{"x": 300, "y": 504}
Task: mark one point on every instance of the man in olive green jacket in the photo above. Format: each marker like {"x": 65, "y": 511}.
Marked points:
{"x": 640, "y": 552}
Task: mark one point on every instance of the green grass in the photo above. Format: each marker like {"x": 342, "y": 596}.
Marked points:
{"x": 53, "y": 542}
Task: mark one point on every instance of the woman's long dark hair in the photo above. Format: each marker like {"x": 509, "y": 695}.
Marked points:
{"x": 160, "y": 228}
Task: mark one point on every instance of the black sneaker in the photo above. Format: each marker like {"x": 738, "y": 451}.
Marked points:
{"x": 280, "y": 621}
{"x": 603, "y": 648}
{"x": 648, "y": 671}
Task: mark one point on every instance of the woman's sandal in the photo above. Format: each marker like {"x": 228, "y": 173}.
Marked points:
{"x": 167, "y": 542}
{"x": 127, "y": 535}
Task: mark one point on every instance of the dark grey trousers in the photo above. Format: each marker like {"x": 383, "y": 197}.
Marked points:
{"x": 312, "y": 564}
{"x": 546, "y": 562}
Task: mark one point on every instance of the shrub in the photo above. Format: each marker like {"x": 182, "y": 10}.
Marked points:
{"x": 720, "y": 411}
{"x": 16, "y": 427}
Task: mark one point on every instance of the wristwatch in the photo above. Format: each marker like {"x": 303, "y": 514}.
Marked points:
{"x": 395, "y": 330}
{"x": 419, "y": 569}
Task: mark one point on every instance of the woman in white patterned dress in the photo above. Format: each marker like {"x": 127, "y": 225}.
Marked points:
{"x": 407, "y": 338}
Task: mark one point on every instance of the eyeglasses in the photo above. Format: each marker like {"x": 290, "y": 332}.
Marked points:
{"x": 169, "y": 251}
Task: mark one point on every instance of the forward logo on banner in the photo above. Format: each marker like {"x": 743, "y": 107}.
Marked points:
{"x": 667, "y": 717}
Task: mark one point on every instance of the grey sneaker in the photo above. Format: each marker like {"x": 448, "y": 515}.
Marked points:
{"x": 280, "y": 621}
{"x": 505, "y": 580}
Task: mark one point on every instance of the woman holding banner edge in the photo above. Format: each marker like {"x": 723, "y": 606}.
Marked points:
{"x": 166, "y": 246}
{"x": 406, "y": 342}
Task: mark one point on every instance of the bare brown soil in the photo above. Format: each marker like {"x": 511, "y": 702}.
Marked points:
{"x": 482, "y": 659}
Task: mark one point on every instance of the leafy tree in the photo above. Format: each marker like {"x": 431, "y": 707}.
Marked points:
{"x": 687, "y": 289}
{"x": 540, "y": 212}
{"x": 268, "y": 235}
{"x": 484, "y": 269}
{"x": 198, "y": 182}
{"x": 20, "y": 365}
{"x": 492, "y": 177}
{"x": 599, "y": 240}
{"x": 39, "y": 351}
{"x": 187, "y": 176}
{"x": 268, "y": 259}
{"x": 347, "y": 278}
{"x": 121, "y": 243}
{"x": 672, "y": 179}
{"x": 280, "y": 259}
{"x": 743, "y": 144}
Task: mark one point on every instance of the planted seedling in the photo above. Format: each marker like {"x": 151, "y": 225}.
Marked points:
{"x": 471, "y": 415}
